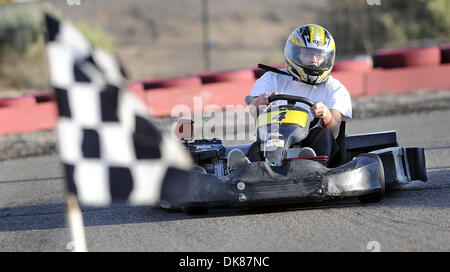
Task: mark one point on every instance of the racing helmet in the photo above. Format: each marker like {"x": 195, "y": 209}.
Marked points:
{"x": 309, "y": 54}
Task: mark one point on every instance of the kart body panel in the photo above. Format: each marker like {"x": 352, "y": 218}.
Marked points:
{"x": 367, "y": 165}
{"x": 374, "y": 163}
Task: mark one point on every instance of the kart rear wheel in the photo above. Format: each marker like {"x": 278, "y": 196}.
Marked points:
{"x": 377, "y": 196}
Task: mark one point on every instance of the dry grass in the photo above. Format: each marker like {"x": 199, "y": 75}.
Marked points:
{"x": 23, "y": 72}
{"x": 164, "y": 38}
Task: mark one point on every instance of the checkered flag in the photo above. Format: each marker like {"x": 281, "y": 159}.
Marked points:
{"x": 110, "y": 148}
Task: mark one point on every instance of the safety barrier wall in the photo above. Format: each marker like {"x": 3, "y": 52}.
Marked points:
{"x": 26, "y": 118}
{"x": 400, "y": 70}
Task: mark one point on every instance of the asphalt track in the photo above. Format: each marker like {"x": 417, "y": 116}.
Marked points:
{"x": 415, "y": 218}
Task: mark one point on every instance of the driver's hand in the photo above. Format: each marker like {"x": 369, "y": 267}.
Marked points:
{"x": 319, "y": 110}
{"x": 262, "y": 99}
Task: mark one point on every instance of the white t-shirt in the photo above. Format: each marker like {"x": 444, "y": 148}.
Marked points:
{"x": 331, "y": 92}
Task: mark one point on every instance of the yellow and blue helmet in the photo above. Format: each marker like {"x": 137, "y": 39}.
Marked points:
{"x": 309, "y": 54}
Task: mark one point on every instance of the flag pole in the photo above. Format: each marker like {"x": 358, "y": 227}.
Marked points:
{"x": 76, "y": 226}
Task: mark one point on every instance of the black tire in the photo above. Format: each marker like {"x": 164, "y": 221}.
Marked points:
{"x": 194, "y": 210}
{"x": 370, "y": 198}
{"x": 377, "y": 196}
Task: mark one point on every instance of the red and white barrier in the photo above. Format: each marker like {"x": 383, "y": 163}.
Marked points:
{"x": 399, "y": 70}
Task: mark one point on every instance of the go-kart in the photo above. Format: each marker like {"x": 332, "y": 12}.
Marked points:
{"x": 368, "y": 165}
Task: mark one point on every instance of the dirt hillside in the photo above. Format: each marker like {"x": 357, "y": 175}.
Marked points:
{"x": 157, "y": 38}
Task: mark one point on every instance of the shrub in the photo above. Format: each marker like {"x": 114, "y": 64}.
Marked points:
{"x": 361, "y": 28}
{"x": 23, "y": 60}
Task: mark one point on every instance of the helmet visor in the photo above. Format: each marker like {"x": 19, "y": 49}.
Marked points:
{"x": 311, "y": 58}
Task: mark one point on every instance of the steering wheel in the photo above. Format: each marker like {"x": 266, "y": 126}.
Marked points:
{"x": 291, "y": 100}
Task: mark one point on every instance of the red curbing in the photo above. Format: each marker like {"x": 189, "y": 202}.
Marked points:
{"x": 395, "y": 58}
{"x": 24, "y": 101}
{"x": 45, "y": 97}
{"x": 26, "y": 119}
{"x": 258, "y": 72}
{"x": 353, "y": 81}
{"x": 171, "y": 82}
{"x": 228, "y": 89}
{"x": 402, "y": 80}
{"x": 210, "y": 97}
{"x": 352, "y": 66}
{"x": 225, "y": 76}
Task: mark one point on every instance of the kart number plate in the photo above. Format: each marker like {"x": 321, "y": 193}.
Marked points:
{"x": 283, "y": 117}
